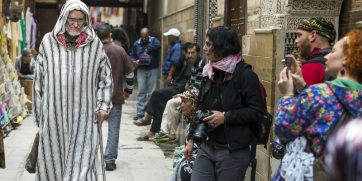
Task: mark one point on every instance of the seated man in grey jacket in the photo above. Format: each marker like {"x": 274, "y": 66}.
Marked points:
{"x": 25, "y": 64}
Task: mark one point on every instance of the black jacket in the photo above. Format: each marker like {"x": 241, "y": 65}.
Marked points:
{"x": 242, "y": 102}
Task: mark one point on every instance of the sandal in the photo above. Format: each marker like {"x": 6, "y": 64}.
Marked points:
{"x": 144, "y": 138}
{"x": 141, "y": 122}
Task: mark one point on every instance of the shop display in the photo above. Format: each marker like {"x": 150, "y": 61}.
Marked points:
{"x": 13, "y": 100}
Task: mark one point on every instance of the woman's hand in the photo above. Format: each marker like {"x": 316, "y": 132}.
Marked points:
{"x": 299, "y": 83}
{"x": 216, "y": 119}
{"x": 188, "y": 149}
{"x": 285, "y": 84}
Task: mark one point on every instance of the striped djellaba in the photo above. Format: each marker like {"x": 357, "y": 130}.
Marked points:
{"x": 70, "y": 84}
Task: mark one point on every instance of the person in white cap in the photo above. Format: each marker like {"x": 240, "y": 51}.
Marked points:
{"x": 174, "y": 55}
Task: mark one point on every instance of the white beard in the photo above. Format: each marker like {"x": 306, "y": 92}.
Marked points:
{"x": 72, "y": 33}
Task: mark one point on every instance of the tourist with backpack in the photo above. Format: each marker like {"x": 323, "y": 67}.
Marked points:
{"x": 305, "y": 122}
{"x": 227, "y": 113}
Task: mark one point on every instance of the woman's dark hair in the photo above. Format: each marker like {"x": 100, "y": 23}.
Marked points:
{"x": 224, "y": 41}
{"x": 120, "y": 35}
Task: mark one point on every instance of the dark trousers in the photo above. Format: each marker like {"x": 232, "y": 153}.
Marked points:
{"x": 217, "y": 163}
{"x": 157, "y": 103}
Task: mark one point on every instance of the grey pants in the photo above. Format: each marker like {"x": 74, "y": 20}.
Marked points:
{"x": 114, "y": 123}
{"x": 215, "y": 163}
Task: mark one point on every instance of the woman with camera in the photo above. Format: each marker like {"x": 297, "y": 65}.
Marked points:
{"x": 230, "y": 92}
{"x": 305, "y": 122}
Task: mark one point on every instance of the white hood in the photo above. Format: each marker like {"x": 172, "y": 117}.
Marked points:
{"x": 71, "y": 5}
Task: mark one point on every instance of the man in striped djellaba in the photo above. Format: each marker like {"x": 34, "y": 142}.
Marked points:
{"x": 72, "y": 83}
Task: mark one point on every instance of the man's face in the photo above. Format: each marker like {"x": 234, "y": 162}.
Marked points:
{"x": 75, "y": 22}
{"x": 186, "y": 108}
{"x": 303, "y": 42}
{"x": 171, "y": 39}
{"x": 144, "y": 36}
{"x": 27, "y": 58}
{"x": 192, "y": 54}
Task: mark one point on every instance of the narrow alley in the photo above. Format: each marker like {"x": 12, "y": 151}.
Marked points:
{"x": 137, "y": 161}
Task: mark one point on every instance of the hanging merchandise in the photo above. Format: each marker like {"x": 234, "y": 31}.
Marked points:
{"x": 12, "y": 97}
{"x": 30, "y": 29}
{"x": 22, "y": 30}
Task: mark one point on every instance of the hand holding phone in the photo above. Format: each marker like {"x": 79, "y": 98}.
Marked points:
{"x": 288, "y": 63}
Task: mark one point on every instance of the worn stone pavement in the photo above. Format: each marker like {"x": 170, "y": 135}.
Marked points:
{"x": 137, "y": 161}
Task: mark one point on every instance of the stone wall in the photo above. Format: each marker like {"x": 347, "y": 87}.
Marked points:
{"x": 266, "y": 49}
{"x": 351, "y": 16}
{"x": 164, "y": 15}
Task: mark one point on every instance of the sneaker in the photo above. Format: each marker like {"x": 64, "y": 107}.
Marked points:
{"x": 163, "y": 138}
{"x": 166, "y": 140}
{"x": 111, "y": 166}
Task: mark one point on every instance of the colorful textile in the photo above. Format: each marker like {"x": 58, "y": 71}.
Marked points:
{"x": 321, "y": 26}
{"x": 315, "y": 112}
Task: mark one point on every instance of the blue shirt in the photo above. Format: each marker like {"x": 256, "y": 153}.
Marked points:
{"x": 173, "y": 57}
{"x": 151, "y": 48}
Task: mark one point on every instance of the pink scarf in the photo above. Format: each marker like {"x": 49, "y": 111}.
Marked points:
{"x": 226, "y": 64}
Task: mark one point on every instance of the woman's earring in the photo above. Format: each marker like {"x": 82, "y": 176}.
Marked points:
{"x": 342, "y": 72}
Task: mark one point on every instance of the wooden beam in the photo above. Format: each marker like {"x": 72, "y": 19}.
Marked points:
{"x": 113, "y": 3}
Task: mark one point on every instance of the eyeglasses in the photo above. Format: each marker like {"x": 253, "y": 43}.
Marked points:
{"x": 75, "y": 20}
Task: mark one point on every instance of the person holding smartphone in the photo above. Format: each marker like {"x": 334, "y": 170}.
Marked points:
{"x": 314, "y": 39}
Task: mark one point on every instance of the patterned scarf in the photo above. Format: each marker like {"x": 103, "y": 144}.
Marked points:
{"x": 226, "y": 64}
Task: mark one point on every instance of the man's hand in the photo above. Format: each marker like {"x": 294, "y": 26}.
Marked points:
{"x": 168, "y": 80}
{"x": 101, "y": 115}
{"x": 135, "y": 63}
{"x": 126, "y": 95}
{"x": 295, "y": 64}
{"x": 20, "y": 75}
{"x": 188, "y": 149}
{"x": 298, "y": 82}
{"x": 285, "y": 84}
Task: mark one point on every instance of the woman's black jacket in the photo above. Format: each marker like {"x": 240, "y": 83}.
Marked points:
{"x": 242, "y": 102}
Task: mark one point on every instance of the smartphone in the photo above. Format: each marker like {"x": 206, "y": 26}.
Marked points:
{"x": 288, "y": 63}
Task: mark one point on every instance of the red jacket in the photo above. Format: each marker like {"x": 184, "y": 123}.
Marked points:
{"x": 313, "y": 68}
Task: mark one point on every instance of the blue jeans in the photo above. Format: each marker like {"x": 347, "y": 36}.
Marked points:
{"x": 114, "y": 123}
{"x": 147, "y": 83}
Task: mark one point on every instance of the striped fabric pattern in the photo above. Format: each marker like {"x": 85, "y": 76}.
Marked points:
{"x": 70, "y": 84}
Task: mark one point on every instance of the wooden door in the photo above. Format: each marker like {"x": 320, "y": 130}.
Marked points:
{"x": 234, "y": 16}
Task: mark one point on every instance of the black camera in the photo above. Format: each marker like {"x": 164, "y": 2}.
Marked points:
{"x": 202, "y": 129}
{"x": 278, "y": 149}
